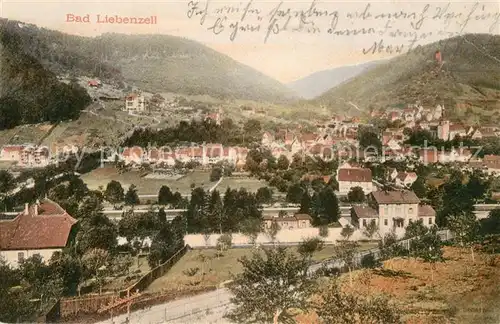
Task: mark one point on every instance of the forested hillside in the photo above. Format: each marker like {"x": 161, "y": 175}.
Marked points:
{"x": 29, "y": 93}
{"x": 156, "y": 63}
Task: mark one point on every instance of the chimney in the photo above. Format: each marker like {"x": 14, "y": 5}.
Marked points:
{"x": 26, "y": 208}
{"x": 36, "y": 207}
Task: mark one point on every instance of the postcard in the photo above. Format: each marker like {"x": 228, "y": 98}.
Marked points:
{"x": 249, "y": 161}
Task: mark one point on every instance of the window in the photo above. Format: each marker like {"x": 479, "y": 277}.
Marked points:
{"x": 430, "y": 220}
{"x": 385, "y": 222}
{"x": 20, "y": 257}
{"x": 410, "y": 210}
{"x": 398, "y": 210}
{"x": 364, "y": 222}
{"x": 37, "y": 255}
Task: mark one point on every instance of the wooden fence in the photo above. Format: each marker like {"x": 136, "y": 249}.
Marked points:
{"x": 154, "y": 274}
{"x": 86, "y": 304}
{"x": 91, "y": 304}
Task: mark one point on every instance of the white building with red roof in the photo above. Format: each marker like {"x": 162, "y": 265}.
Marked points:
{"x": 135, "y": 102}
{"x": 11, "y": 153}
{"x": 354, "y": 177}
{"x": 392, "y": 210}
{"x": 42, "y": 228}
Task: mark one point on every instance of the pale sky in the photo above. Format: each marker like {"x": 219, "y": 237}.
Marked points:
{"x": 286, "y": 56}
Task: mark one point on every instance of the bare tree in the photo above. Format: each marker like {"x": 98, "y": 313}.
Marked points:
{"x": 347, "y": 232}
{"x": 272, "y": 231}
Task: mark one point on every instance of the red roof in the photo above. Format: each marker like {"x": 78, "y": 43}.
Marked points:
{"x": 355, "y": 175}
{"x": 395, "y": 197}
{"x": 309, "y": 137}
{"x": 426, "y": 211}
{"x": 429, "y": 156}
{"x": 49, "y": 227}
{"x": 457, "y": 128}
{"x": 135, "y": 151}
{"x": 13, "y": 148}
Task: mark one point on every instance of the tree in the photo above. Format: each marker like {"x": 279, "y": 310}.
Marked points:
{"x": 270, "y": 287}
{"x": 114, "y": 192}
{"x": 165, "y": 196}
{"x": 136, "y": 227}
{"x": 325, "y": 207}
{"x": 264, "y": 195}
{"x": 131, "y": 197}
{"x": 465, "y": 228}
{"x": 305, "y": 204}
{"x": 251, "y": 228}
{"x": 428, "y": 247}
{"x": 389, "y": 247}
{"x": 347, "y": 232}
{"x": 283, "y": 162}
{"x": 165, "y": 243}
{"x": 215, "y": 174}
{"x": 16, "y": 305}
{"x": 323, "y": 231}
{"x": 95, "y": 263}
{"x": 69, "y": 268}
{"x": 415, "y": 229}
{"x": 491, "y": 224}
{"x": 96, "y": 231}
{"x": 345, "y": 251}
{"x": 310, "y": 245}
{"x": 224, "y": 242}
{"x": 42, "y": 282}
{"x": 369, "y": 139}
{"x": 419, "y": 187}
{"x": 356, "y": 195}
{"x": 294, "y": 194}
{"x": 273, "y": 230}
{"x": 338, "y": 307}
{"x": 370, "y": 229}
{"x": 162, "y": 216}
{"x": 7, "y": 182}
{"x": 370, "y": 261}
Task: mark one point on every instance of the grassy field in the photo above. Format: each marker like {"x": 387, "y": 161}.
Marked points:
{"x": 455, "y": 291}
{"x": 251, "y": 184}
{"x": 216, "y": 269}
{"x": 102, "y": 176}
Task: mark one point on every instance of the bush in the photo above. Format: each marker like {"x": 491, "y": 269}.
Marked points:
{"x": 369, "y": 261}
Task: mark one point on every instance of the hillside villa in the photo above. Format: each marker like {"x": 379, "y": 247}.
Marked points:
{"x": 134, "y": 102}
{"x": 40, "y": 229}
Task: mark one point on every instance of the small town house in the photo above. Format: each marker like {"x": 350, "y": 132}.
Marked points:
{"x": 40, "y": 229}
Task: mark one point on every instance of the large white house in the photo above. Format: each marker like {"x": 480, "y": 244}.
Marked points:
{"x": 41, "y": 229}
{"x": 392, "y": 210}
{"x": 349, "y": 178}
{"x": 134, "y": 102}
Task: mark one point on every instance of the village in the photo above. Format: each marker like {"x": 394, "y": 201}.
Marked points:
{"x": 360, "y": 178}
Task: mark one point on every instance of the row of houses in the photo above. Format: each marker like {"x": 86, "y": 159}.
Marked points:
{"x": 206, "y": 154}
{"x": 411, "y": 114}
{"x": 34, "y": 156}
